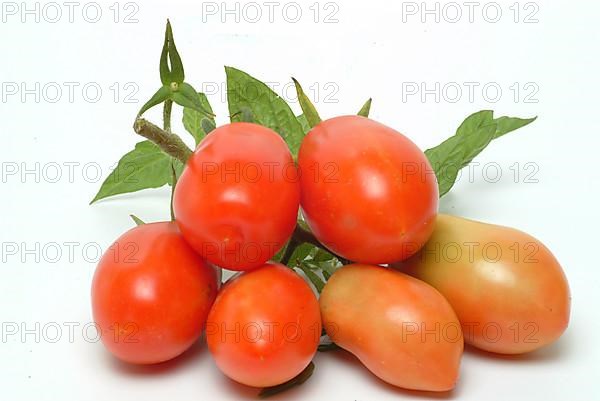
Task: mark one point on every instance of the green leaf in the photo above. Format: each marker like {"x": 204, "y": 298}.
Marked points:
{"x": 474, "y": 121}
{"x": 296, "y": 381}
{"x": 449, "y": 157}
{"x": 307, "y": 269}
{"x": 246, "y": 115}
{"x": 208, "y": 126}
{"x": 137, "y": 220}
{"x": 267, "y": 107}
{"x": 196, "y": 123}
{"x": 309, "y": 110}
{"x": 504, "y": 125}
{"x": 174, "y": 177}
{"x": 160, "y": 96}
{"x": 472, "y": 136}
{"x": 319, "y": 255}
{"x": 146, "y": 166}
{"x": 304, "y": 123}
{"x": 171, "y": 67}
{"x": 186, "y": 96}
{"x": 365, "y": 109}
{"x": 300, "y": 253}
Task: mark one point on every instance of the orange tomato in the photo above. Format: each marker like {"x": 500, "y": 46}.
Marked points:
{"x": 399, "y": 327}
{"x": 508, "y": 290}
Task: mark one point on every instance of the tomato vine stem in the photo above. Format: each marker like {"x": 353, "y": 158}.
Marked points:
{"x": 167, "y": 107}
{"x": 168, "y": 142}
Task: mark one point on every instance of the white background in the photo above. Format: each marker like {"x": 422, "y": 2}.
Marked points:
{"x": 372, "y": 50}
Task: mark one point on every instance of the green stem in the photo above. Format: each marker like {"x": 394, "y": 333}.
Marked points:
{"x": 167, "y": 107}
{"x": 168, "y": 142}
{"x": 173, "y": 184}
{"x": 289, "y": 251}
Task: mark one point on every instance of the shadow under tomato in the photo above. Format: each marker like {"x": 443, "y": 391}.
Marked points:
{"x": 348, "y": 359}
{"x": 241, "y": 391}
{"x": 189, "y": 356}
{"x": 549, "y": 353}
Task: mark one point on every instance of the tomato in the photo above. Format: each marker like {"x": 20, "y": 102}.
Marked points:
{"x": 151, "y": 294}
{"x": 400, "y": 328}
{"x": 265, "y": 326}
{"x": 508, "y": 290}
{"x": 237, "y": 200}
{"x": 368, "y": 192}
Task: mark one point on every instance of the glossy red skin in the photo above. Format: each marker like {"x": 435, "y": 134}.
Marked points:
{"x": 151, "y": 294}
{"x": 238, "y": 222}
{"x": 365, "y": 203}
{"x": 264, "y": 328}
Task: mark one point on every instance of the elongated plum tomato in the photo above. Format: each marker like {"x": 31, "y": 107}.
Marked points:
{"x": 368, "y": 192}
{"x": 400, "y": 328}
{"x": 237, "y": 200}
{"x": 264, "y": 327}
{"x": 508, "y": 290}
{"x": 151, "y": 294}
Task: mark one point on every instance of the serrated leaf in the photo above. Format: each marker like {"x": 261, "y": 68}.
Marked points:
{"x": 472, "y": 136}
{"x": 308, "y": 108}
{"x": 246, "y": 115}
{"x": 208, "y": 126}
{"x": 504, "y": 125}
{"x": 474, "y": 121}
{"x": 311, "y": 275}
{"x": 267, "y": 107}
{"x": 365, "y": 109}
{"x": 171, "y": 66}
{"x": 186, "y": 96}
{"x": 196, "y": 123}
{"x": 304, "y": 123}
{"x": 320, "y": 255}
{"x": 146, "y": 166}
{"x": 449, "y": 157}
{"x": 300, "y": 253}
{"x": 162, "y": 94}
{"x": 137, "y": 220}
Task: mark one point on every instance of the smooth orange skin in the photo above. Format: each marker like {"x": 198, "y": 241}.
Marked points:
{"x": 512, "y": 302}
{"x": 231, "y": 215}
{"x": 379, "y": 315}
{"x": 368, "y": 193}
{"x": 265, "y": 326}
{"x": 151, "y": 294}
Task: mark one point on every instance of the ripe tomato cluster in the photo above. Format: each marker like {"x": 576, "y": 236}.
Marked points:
{"x": 369, "y": 195}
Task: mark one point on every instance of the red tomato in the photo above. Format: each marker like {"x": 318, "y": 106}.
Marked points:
{"x": 237, "y": 200}
{"x": 368, "y": 192}
{"x": 264, "y": 328}
{"x": 151, "y": 294}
